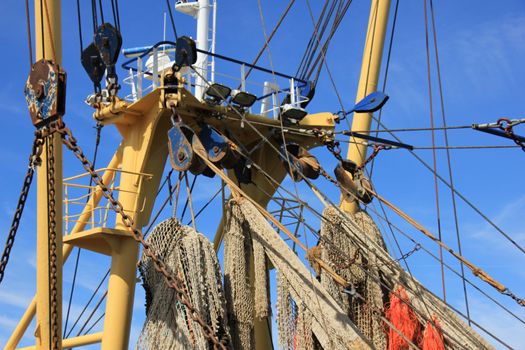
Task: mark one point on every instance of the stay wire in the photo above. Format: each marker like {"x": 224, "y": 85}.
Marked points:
{"x": 172, "y": 20}
{"x": 187, "y": 198}
{"x": 101, "y": 8}
{"x": 332, "y": 81}
{"x": 449, "y": 161}
{"x": 48, "y": 20}
{"x": 455, "y": 190}
{"x": 42, "y": 38}
{"x": 29, "y": 41}
{"x": 93, "y": 312}
{"x": 387, "y": 69}
{"x": 95, "y": 153}
{"x": 434, "y": 155}
{"x": 311, "y": 41}
{"x": 70, "y": 300}
{"x": 267, "y": 41}
{"x": 94, "y": 15}
{"x": 318, "y": 35}
{"x": 79, "y": 21}
{"x": 88, "y": 303}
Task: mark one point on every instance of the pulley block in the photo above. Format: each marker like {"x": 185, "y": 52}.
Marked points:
{"x": 45, "y": 92}
{"x": 108, "y": 42}
{"x": 218, "y": 147}
{"x": 181, "y": 140}
{"x": 93, "y": 64}
{"x": 185, "y": 53}
{"x": 355, "y": 186}
{"x": 301, "y": 161}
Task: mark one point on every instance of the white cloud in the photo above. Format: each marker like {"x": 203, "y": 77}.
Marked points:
{"x": 15, "y": 299}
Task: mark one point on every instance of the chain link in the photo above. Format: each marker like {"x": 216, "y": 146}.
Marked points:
{"x": 377, "y": 149}
{"x": 407, "y": 254}
{"x": 34, "y": 161}
{"x": 52, "y": 242}
{"x": 507, "y": 126}
{"x": 520, "y": 301}
{"x": 172, "y": 280}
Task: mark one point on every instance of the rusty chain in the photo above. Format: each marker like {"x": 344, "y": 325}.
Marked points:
{"x": 52, "y": 242}
{"x": 172, "y": 280}
{"x": 507, "y": 126}
{"x": 34, "y": 161}
{"x": 377, "y": 149}
{"x": 410, "y": 252}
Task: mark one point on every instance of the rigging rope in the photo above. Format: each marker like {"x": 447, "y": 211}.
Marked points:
{"x": 449, "y": 161}
{"x": 434, "y": 155}
{"x": 29, "y": 44}
{"x": 171, "y": 20}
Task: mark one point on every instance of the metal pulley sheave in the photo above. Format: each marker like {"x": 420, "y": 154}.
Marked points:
{"x": 181, "y": 141}
{"x": 218, "y": 147}
{"x": 356, "y": 186}
{"x": 301, "y": 161}
{"x": 45, "y": 92}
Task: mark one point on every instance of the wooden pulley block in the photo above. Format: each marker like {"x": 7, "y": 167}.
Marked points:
{"x": 353, "y": 187}
{"x": 301, "y": 161}
{"x": 218, "y": 147}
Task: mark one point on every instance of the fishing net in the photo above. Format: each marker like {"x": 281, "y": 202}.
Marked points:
{"x": 190, "y": 256}
{"x": 359, "y": 234}
{"x": 359, "y": 270}
{"x": 307, "y": 316}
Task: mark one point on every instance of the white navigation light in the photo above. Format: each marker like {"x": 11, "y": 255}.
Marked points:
{"x": 217, "y": 93}
{"x": 243, "y": 99}
{"x": 292, "y": 113}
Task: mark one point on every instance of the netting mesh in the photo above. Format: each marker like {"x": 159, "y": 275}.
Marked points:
{"x": 191, "y": 256}
{"x": 361, "y": 271}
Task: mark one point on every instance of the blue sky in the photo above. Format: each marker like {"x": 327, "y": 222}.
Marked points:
{"x": 481, "y": 45}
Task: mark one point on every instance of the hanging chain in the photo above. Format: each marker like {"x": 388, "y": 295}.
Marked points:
{"x": 52, "y": 242}
{"x": 507, "y": 125}
{"x": 34, "y": 161}
{"x": 412, "y": 251}
{"x": 172, "y": 280}
{"x": 377, "y": 149}
{"x": 333, "y": 146}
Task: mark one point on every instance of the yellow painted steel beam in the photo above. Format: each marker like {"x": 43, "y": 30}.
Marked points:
{"x": 48, "y": 46}
{"x": 145, "y": 150}
{"x": 26, "y": 319}
{"x": 76, "y": 341}
{"x": 370, "y": 69}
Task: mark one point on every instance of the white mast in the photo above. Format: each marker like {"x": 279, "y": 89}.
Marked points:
{"x": 203, "y": 29}
{"x": 200, "y": 10}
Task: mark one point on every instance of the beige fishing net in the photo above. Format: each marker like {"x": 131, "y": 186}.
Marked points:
{"x": 361, "y": 271}
{"x": 307, "y": 316}
{"x": 189, "y": 255}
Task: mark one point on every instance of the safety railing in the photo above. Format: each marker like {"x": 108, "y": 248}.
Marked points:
{"x": 84, "y": 203}
{"x": 271, "y": 88}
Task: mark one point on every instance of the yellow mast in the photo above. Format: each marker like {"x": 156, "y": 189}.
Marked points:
{"x": 370, "y": 69}
{"x": 48, "y": 46}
